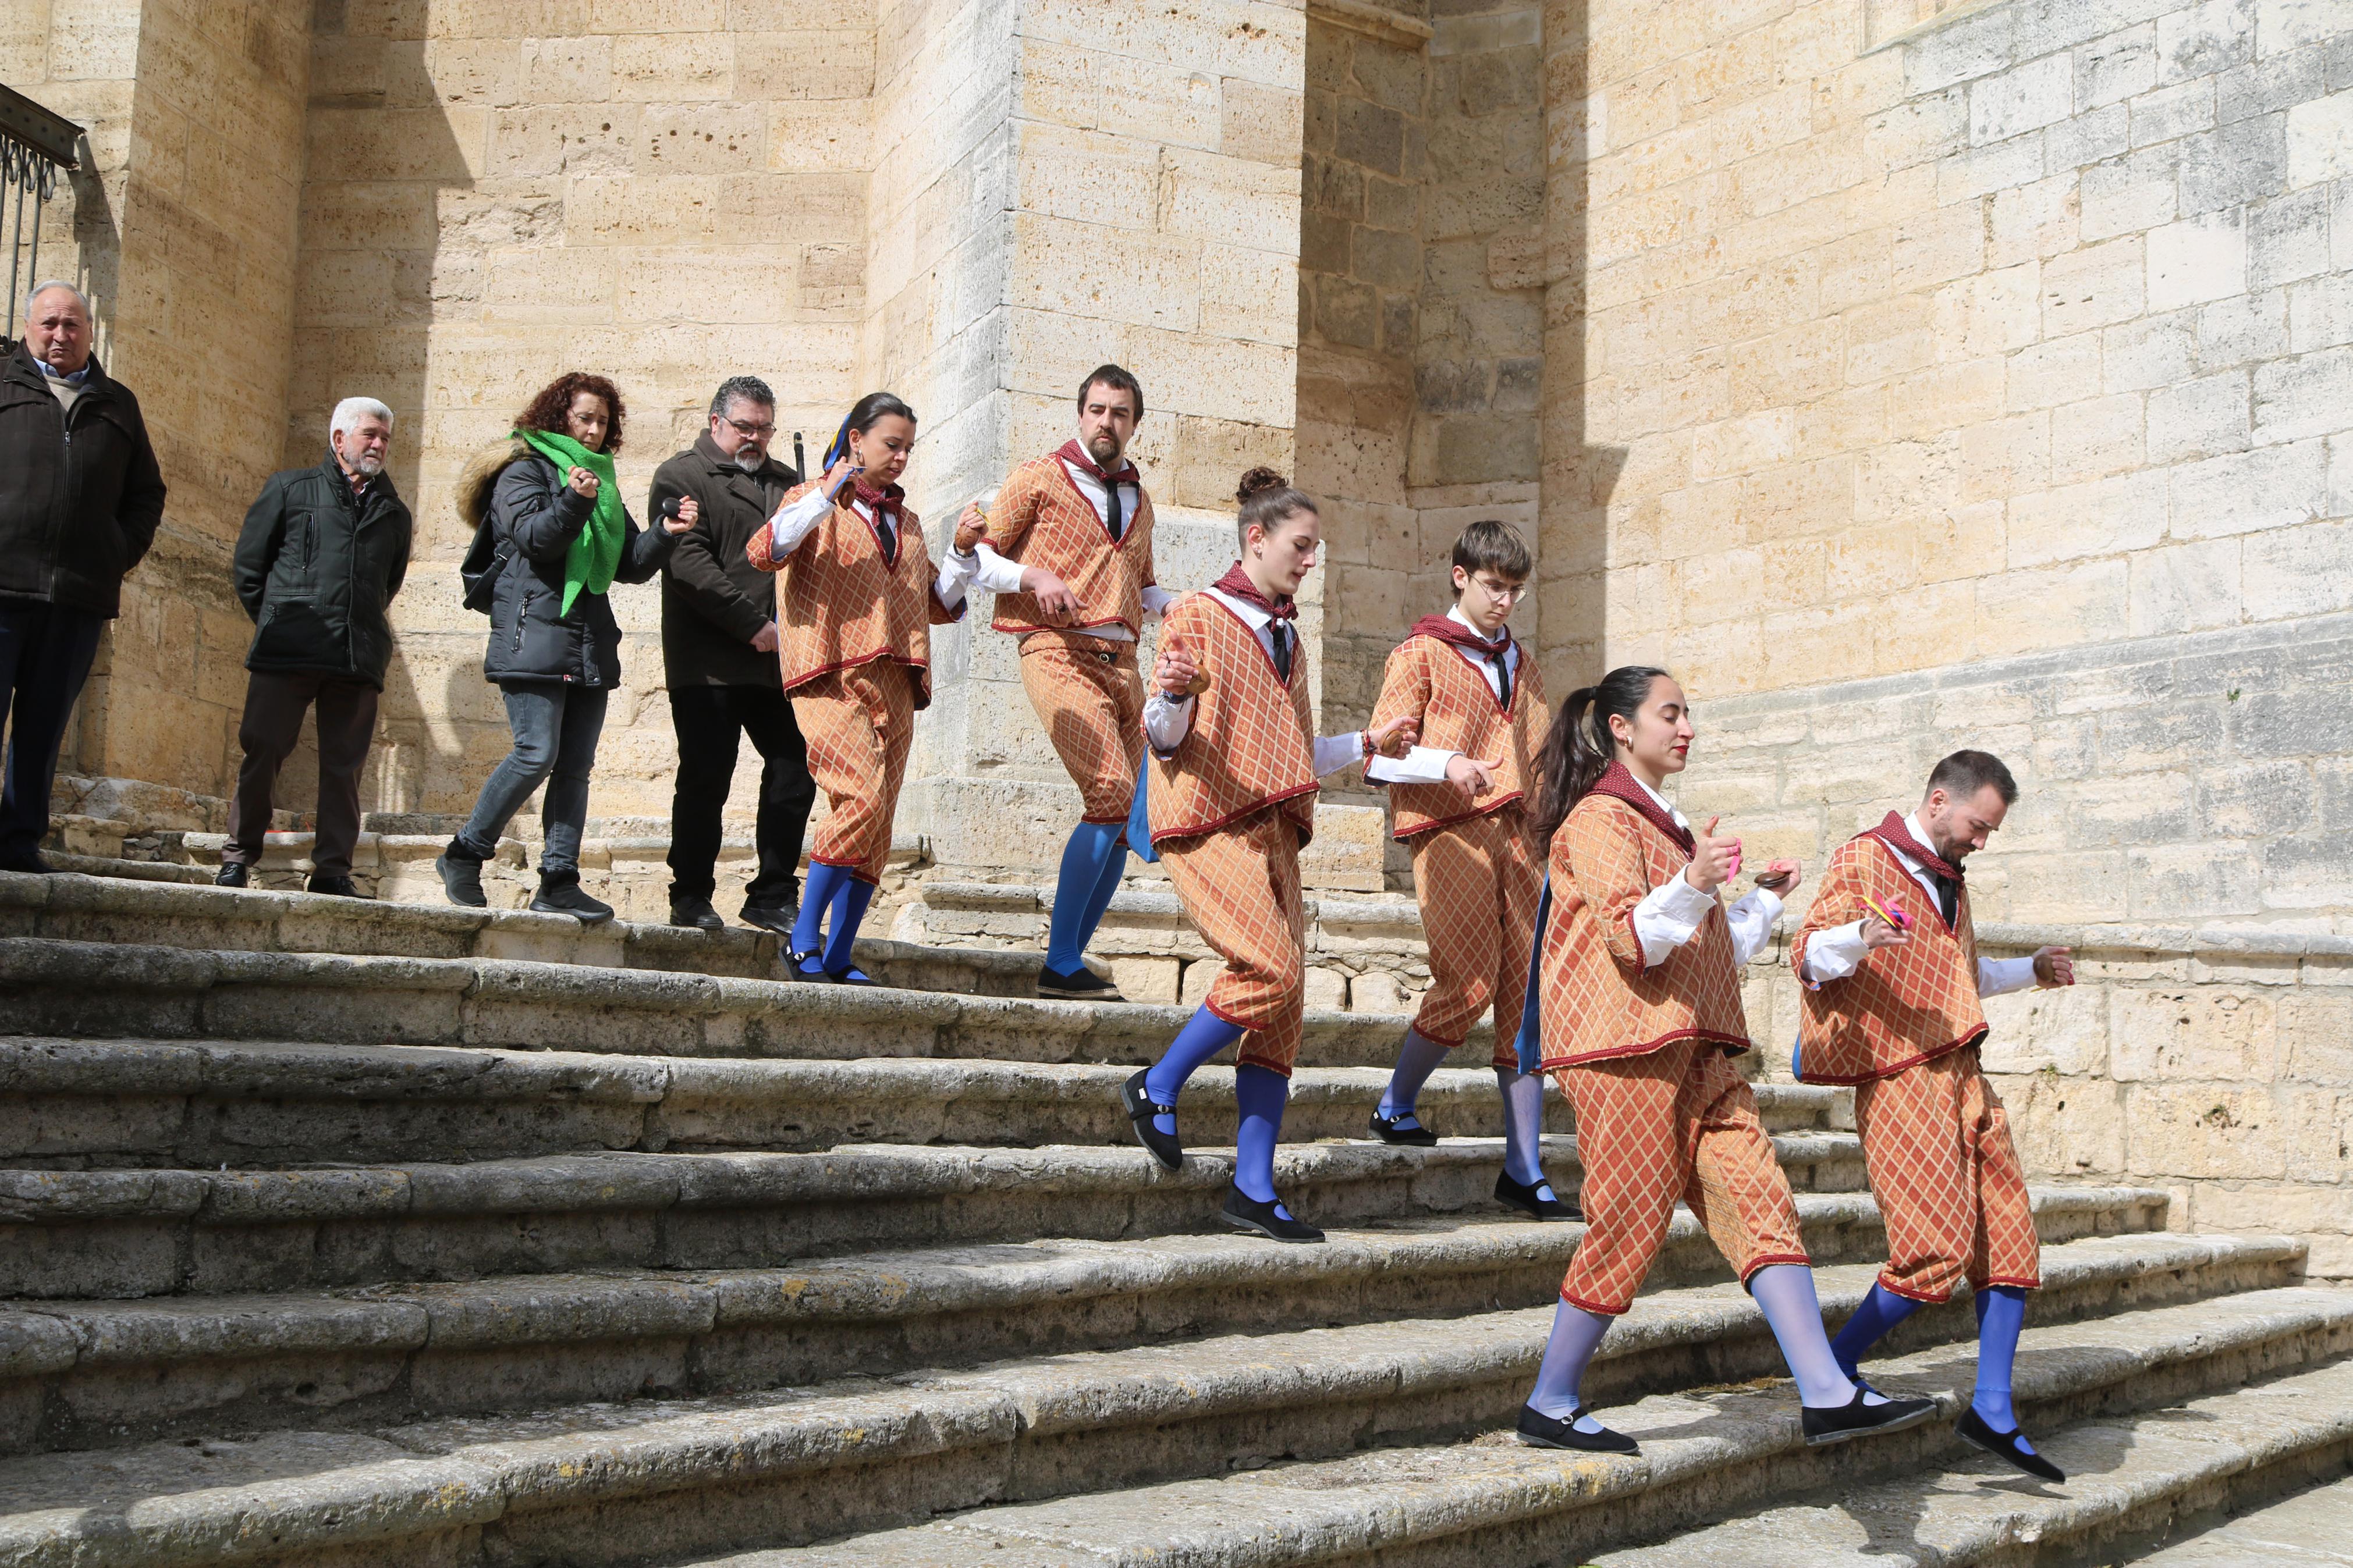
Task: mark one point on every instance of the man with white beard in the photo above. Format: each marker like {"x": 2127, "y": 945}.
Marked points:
{"x": 323, "y": 552}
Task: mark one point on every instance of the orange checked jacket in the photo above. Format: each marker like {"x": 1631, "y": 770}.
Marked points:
{"x": 1251, "y": 743}
{"x": 1903, "y": 1006}
{"x": 844, "y": 605}
{"x": 1041, "y": 520}
{"x": 1428, "y": 679}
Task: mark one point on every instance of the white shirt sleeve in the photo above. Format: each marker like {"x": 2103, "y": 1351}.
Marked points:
{"x": 1333, "y": 752}
{"x": 1156, "y": 599}
{"x": 2000, "y": 976}
{"x": 795, "y": 520}
{"x": 1167, "y": 721}
{"x": 1752, "y": 918}
{"x": 1423, "y": 764}
{"x": 1669, "y": 917}
{"x": 1833, "y": 954}
{"x": 956, "y": 573}
{"x": 994, "y": 571}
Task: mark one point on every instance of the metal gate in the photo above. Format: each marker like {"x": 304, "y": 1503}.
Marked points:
{"x": 35, "y": 148}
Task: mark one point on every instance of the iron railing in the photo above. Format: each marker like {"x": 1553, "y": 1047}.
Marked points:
{"x": 36, "y": 147}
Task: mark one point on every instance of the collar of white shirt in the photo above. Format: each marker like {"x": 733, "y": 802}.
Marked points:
{"x": 1459, "y": 618}
{"x": 1665, "y": 804}
{"x": 1252, "y": 617}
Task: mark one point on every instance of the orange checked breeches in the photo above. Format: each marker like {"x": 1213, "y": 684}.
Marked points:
{"x": 1479, "y": 882}
{"x": 1936, "y": 1144}
{"x": 1240, "y": 886}
{"x": 1676, "y": 1122}
{"x": 1090, "y": 698}
{"x": 859, "y": 724}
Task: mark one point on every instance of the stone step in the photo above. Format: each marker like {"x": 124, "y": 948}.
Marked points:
{"x": 2309, "y": 1529}
{"x": 120, "y": 1233}
{"x": 1706, "y": 1452}
{"x": 100, "y": 1374}
{"x": 617, "y": 1484}
{"x": 135, "y": 1103}
{"x": 81, "y": 989}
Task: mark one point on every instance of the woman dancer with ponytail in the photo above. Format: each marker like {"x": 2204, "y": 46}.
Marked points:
{"x": 1232, "y": 799}
{"x": 1640, "y": 970}
{"x": 854, "y": 625}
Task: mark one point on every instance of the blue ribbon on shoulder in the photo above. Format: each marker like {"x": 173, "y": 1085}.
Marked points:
{"x": 1529, "y": 1042}
{"x": 1139, "y": 819}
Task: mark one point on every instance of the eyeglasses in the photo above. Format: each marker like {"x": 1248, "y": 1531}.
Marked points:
{"x": 755, "y": 430}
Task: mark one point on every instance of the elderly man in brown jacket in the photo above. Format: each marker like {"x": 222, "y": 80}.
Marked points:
{"x": 719, "y": 651}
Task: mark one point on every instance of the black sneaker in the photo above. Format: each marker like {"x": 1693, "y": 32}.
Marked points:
{"x": 1531, "y": 1200}
{"x": 1165, "y": 1147}
{"x": 340, "y": 887}
{"x": 1837, "y": 1423}
{"x": 564, "y": 898}
{"x": 1267, "y": 1219}
{"x": 1977, "y": 1431}
{"x": 1083, "y": 985}
{"x": 1387, "y": 1129}
{"x": 777, "y": 918}
{"x": 232, "y": 874}
{"x": 695, "y": 912}
{"x": 1542, "y": 1431}
{"x": 461, "y": 878}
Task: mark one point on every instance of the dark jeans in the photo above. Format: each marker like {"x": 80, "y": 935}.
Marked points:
{"x": 710, "y": 721}
{"x": 555, "y": 728}
{"x": 44, "y": 655}
{"x": 274, "y": 706}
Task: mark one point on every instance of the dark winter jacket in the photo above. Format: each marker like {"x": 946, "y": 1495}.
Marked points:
{"x": 316, "y": 568}
{"x": 79, "y": 497}
{"x": 713, "y": 600}
{"x": 530, "y": 639}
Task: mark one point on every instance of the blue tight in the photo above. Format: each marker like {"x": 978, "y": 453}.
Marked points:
{"x": 1260, "y": 1094}
{"x": 830, "y": 890}
{"x": 1093, "y": 863}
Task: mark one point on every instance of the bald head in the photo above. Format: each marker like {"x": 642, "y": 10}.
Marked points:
{"x": 56, "y": 327}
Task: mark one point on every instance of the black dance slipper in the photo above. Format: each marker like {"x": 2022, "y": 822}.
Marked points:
{"x": 1531, "y": 1200}
{"x": 1164, "y": 1147}
{"x": 1837, "y": 1423}
{"x": 1244, "y": 1213}
{"x": 1387, "y": 1129}
{"x": 1540, "y": 1430}
{"x": 1977, "y": 1431}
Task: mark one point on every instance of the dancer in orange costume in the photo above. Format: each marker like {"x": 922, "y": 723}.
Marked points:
{"x": 854, "y": 622}
{"x": 1232, "y": 799}
{"x": 1069, "y": 554}
{"x": 1640, "y": 1014}
{"x": 1460, "y": 800}
{"x": 1889, "y": 958}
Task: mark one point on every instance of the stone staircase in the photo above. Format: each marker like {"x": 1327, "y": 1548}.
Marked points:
{"x": 342, "y": 1233}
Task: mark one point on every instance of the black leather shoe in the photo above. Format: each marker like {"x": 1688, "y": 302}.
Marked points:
{"x": 695, "y": 912}
{"x": 1267, "y": 1219}
{"x": 461, "y": 878}
{"x": 566, "y": 898}
{"x": 232, "y": 874}
{"x": 1083, "y": 985}
{"x": 1855, "y": 1419}
{"x": 1544, "y": 1431}
{"x": 1976, "y": 1431}
{"x": 340, "y": 887}
{"x": 1164, "y": 1147}
{"x": 1387, "y": 1129}
{"x": 777, "y": 918}
{"x": 853, "y": 975}
{"x": 1530, "y": 1202}
{"x": 808, "y": 966}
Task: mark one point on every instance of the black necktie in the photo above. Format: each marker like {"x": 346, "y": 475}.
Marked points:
{"x": 1112, "y": 518}
{"x": 1948, "y": 898}
{"x": 1503, "y": 673}
{"x": 1281, "y": 632}
{"x": 889, "y": 536}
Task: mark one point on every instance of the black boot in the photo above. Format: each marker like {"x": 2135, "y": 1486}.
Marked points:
{"x": 1244, "y": 1213}
{"x": 461, "y": 875}
{"x": 560, "y": 895}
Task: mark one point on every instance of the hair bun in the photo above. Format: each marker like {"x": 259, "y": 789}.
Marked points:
{"x": 1257, "y": 482}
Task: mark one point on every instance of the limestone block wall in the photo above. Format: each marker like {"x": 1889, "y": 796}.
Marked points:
{"x": 2009, "y": 355}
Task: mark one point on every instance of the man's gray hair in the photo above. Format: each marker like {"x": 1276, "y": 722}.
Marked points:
{"x": 351, "y": 410}
{"x": 744, "y": 389}
{"x": 40, "y": 288}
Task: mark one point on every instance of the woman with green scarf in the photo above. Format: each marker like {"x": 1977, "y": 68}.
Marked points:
{"x": 562, "y": 537}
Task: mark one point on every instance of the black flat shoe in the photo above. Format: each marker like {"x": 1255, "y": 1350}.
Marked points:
{"x": 1855, "y": 1419}
{"x": 1082, "y": 985}
{"x": 1530, "y": 1202}
{"x": 1267, "y": 1219}
{"x": 850, "y": 977}
{"x": 1976, "y": 1431}
{"x": 800, "y": 962}
{"x": 1542, "y": 1431}
{"x": 1164, "y": 1146}
{"x": 1387, "y": 1129}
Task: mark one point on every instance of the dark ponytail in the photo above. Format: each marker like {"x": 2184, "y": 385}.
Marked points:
{"x": 1579, "y": 748}
{"x": 874, "y": 406}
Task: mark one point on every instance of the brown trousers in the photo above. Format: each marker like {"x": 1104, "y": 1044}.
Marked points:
{"x": 274, "y": 706}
